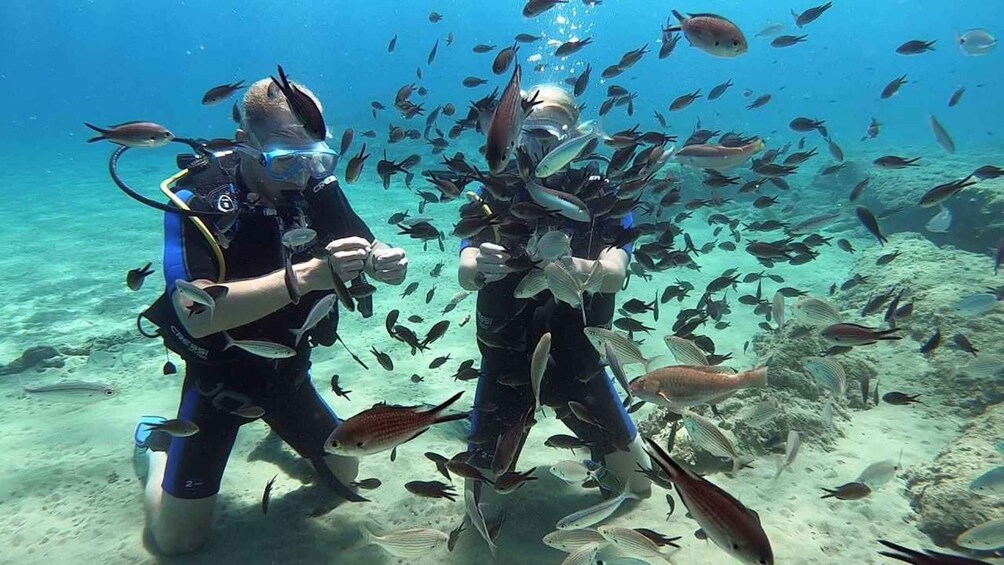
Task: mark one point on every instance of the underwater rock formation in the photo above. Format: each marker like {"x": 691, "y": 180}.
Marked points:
{"x": 940, "y": 492}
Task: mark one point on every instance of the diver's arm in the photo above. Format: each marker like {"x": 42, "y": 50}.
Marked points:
{"x": 250, "y": 299}
{"x": 614, "y": 262}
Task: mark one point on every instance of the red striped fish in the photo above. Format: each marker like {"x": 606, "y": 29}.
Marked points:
{"x": 384, "y": 427}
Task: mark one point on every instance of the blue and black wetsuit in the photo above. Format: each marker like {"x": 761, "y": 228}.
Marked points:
{"x": 574, "y": 371}
{"x": 224, "y": 381}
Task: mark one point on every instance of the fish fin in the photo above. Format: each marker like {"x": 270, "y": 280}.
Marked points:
{"x": 393, "y": 452}
{"x": 102, "y": 131}
{"x": 446, "y": 405}
{"x": 452, "y": 417}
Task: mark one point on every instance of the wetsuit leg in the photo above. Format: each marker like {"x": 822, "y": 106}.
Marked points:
{"x": 195, "y": 464}
{"x": 576, "y": 373}
{"x": 302, "y": 419}
{"x": 502, "y": 322}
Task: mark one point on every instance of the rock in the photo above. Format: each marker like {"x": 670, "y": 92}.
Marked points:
{"x": 939, "y": 490}
{"x": 30, "y": 358}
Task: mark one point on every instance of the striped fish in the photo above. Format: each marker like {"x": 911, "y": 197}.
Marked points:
{"x": 384, "y": 427}
{"x": 632, "y": 543}
{"x": 759, "y": 413}
{"x": 685, "y": 351}
{"x": 504, "y": 128}
{"x": 572, "y": 540}
{"x": 563, "y": 284}
{"x": 791, "y": 448}
{"x": 532, "y": 284}
{"x": 618, "y": 370}
{"x": 627, "y": 351}
{"x": 585, "y": 555}
{"x": 412, "y": 543}
{"x": 73, "y": 391}
{"x": 815, "y": 312}
{"x": 777, "y": 310}
{"x": 828, "y": 373}
{"x": 710, "y": 438}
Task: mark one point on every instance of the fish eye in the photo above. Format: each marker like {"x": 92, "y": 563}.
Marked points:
{"x": 735, "y": 42}
{"x": 717, "y": 43}
{"x": 109, "y": 392}
{"x": 360, "y": 444}
{"x": 735, "y": 545}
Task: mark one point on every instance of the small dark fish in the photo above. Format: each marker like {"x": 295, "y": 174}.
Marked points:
{"x": 719, "y": 90}
{"x": 504, "y": 59}
{"x": 266, "y": 497}
{"x": 439, "y": 361}
{"x": 302, "y": 106}
{"x": 235, "y": 113}
{"x": 682, "y": 102}
{"x": 887, "y": 258}
{"x": 988, "y": 172}
{"x": 787, "y": 40}
{"x": 534, "y": 8}
{"x": 455, "y": 534}
{"x": 527, "y": 38}
{"x": 925, "y": 557}
{"x": 849, "y": 491}
{"x": 900, "y": 398}
{"x": 441, "y": 464}
{"x": 760, "y": 101}
{"x": 893, "y": 87}
{"x": 135, "y": 277}
{"x": 956, "y": 97}
{"x": 932, "y": 342}
{"x": 571, "y": 47}
{"x": 871, "y": 223}
{"x": 811, "y": 15}
{"x": 371, "y": 483}
{"x": 385, "y": 361}
{"x": 435, "y": 17}
{"x": 963, "y": 344}
{"x": 337, "y": 389}
{"x": 915, "y": 47}
{"x": 431, "y": 489}
{"x": 392, "y": 44}
{"x": 218, "y": 94}
{"x": 859, "y": 188}
{"x": 430, "y": 294}
{"x": 432, "y": 53}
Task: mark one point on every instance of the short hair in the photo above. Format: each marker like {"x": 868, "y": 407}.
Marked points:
{"x": 556, "y": 105}
{"x": 262, "y": 113}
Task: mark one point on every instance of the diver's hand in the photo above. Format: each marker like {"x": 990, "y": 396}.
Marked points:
{"x": 388, "y": 265}
{"x": 347, "y": 256}
{"x": 491, "y": 262}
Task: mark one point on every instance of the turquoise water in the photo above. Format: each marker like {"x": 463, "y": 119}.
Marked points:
{"x": 70, "y": 492}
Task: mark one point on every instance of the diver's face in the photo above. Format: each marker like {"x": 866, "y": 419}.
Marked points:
{"x": 276, "y": 137}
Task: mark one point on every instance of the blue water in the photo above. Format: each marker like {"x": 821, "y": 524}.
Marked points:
{"x": 70, "y": 235}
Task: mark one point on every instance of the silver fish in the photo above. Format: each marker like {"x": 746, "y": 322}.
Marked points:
{"x": 828, "y": 414}
{"x": 878, "y": 473}
{"x": 594, "y": 514}
{"x": 814, "y": 223}
{"x": 710, "y": 438}
{"x": 559, "y": 157}
{"x": 976, "y": 304}
{"x": 627, "y": 350}
{"x": 538, "y": 365}
{"x": 564, "y": 285}
{"x": 566, "y": 204}
{"x": 791, "y": 448}
{"x": 73, "y": 391}
{"x": 320, "y": 310}
{"x": 810, "y": 311}
{"x": 986, "y": 536}
{"x": 685, "y": 351}
{"x": 477, "y": 517}
{"x": 759, "y": 413}
{"x": 632, "y": 543}
{"x": 941, "y": 134}
{"x": 570, "y": 541}
{"x": 133, "y": 134}
{"x": 991, "y": 482}
{"x": 200, "y": 295}
{"x": 573, "y": 472}
{"x": 828, "y": 373}
{"x": 412, "y": 543}
{"x": 585, "y": 555}
{"x": 260, "y": 347}
{"x": 551, "y": 246}
{"x": 298, "y": 237}
{"x": 617, "y": 369}
{"x": 941, "y": 222}
{"x": 777, "y": 310}
{"x": 532, "y": 284}
{"x": 176, "y": 427}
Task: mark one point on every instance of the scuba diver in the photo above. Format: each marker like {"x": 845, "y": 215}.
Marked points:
{"x": 509, "y": 328}
{"x": 247, "y": 297}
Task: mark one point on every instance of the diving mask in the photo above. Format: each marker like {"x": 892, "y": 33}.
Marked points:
{"x": 317, "y": 161}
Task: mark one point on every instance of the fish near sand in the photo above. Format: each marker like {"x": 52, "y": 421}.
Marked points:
{"x": 854, "y": 334}
{"x": 726, "y": 521}
{"x": 411, "y": 543}
{"x": 849, "y": 491}
{"x": 942, "y": 135}
{"x": 384, "y": 427}
{"x": 73, "y": 391}
{"x": 711, "y": 33}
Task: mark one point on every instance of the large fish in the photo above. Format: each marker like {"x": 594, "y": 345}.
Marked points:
{"x": 718, "y": 157}
{"x": 412, "y": 543}
{"x": 384, "y": 427}
{"x": 559, "y": 157}
{"x": 681, "y": 386}
{"x": 726, "y": 521}
{"x": 711, "y": 33}
{"x": 506, "y": 123}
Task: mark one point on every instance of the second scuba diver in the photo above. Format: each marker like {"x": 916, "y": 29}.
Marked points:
{"x": 509, "y": 328}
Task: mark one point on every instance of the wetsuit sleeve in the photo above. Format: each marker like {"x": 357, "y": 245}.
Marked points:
{"x": 344, "y": 220}
{"x": 187, "y": 254}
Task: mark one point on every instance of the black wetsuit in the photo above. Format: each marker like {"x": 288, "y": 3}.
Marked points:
{"x": 574, "y": 370}
{"x": 226, "y": 380}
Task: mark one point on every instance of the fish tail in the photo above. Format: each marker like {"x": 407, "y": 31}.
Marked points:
{"x": 446, "y": 405}
{"x": 885, "y": 334}
{"x": 758, "y": 376}
{"x": 101, "y": 137}
{"x": 678, "y": 16}
{"x": 663, "y": 460}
